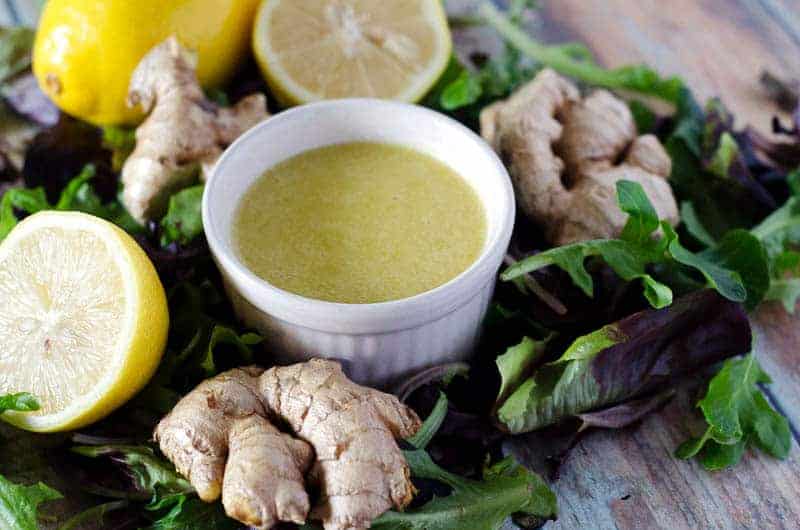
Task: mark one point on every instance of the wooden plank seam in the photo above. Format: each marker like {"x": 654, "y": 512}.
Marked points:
{"x": 775, "y": 402}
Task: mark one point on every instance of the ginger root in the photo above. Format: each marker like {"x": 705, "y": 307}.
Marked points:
{"x": 184, "y": 133}
{"x": 566, "y": 153}
{"x": 220, "y": 437}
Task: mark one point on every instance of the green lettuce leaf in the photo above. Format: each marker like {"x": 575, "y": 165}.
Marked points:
{"x": 507, "y": 488}
{"x": 28, "y": 200}
{"x": 431, "y": 424}
{"x": 629, "y": 358}
{"x": 780, "y": 235}
{"x": 642, "y": 216}
{"x": 190, "y": 513}
{"x": 780, "y": 230}
{"x": 78, "y": 195}
{"x": 93, "y": 517}
{"x": 738, "y": 415}
{"x": 21, "y": 401}
{"x": 693, "y": 225}
{"x": 710, "y": 175}
{"x": 737, "y": 267}
{"x": 225, "y": 336}
{"x": 19, "y": 504}
{"x": 785, "y": 291}
{"x": 516, "y": 363}
{"x": 121, "y": 142}
{"x": 628, "y": 260}
{"x": 183, "y": 221}
{"x": 153, "y": 475}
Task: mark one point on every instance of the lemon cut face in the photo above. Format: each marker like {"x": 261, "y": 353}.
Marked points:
{"x": 83, "y": 319}
{"x": 329, "y": 49}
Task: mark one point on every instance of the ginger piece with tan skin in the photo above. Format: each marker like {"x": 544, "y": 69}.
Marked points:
{"x": 184, "y": 133}
{"x": 220, "y": 437}
{"x": 566, "y": 153}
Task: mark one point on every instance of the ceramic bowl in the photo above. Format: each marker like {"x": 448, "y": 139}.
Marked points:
{"x": 379, "y": 343}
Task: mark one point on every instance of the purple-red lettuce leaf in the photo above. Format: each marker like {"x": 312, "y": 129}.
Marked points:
{"x": 625, "y": 414}
{"x": 23, "y": 95}
{"x": 629, "y": 358}
{"x": 60, "y": 152}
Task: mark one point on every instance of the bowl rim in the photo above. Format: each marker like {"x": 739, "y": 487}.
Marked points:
{"x": 377, "y": 317}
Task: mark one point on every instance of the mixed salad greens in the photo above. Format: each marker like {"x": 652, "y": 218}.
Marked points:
{"x": 593, "y": 334}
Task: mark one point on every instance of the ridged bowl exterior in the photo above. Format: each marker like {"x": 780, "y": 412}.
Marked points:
{"x": 379, "y": 344}
{"x": 380, "y": 360}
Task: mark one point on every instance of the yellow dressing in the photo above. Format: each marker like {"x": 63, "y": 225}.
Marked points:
{"x": 359, "y": 223}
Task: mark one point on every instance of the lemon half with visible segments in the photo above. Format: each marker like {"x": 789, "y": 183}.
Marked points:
{"x": 83, "y": 319}
{"x": 326, "y": 49}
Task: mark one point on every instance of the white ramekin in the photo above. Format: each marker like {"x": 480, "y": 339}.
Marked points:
{"x": 381, "y": 343}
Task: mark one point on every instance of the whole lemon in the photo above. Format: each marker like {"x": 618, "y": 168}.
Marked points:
{"x": 86, "y": 50}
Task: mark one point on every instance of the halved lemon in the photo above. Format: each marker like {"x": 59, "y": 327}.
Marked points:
{"x": 83, "y": 319}
{"x": 326, "y": 49}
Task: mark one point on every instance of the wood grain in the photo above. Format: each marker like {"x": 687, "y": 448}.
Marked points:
{"x": 629, "y": 479}
{"x": 719, "y": 46}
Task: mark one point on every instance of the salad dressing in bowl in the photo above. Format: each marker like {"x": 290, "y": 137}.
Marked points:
{"x": 359, "y": 223}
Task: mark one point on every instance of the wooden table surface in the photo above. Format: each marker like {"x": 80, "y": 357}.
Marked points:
{"x": 629, "y": 479}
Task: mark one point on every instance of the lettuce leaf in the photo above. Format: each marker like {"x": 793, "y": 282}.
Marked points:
{"x": 19, "y": 504}
{"x": 737, "y": 267}
{"x": 507, "y": 488}
{"x": 628, "y": 358}
{"x": 711, "y": 175}
{"x": 152, "y": 475}
{"x": 738, "y": 415}
{"x": 787, "y": 292}
{"x": 190, "y": 513}
{"x": 21, "y": 401}
{"x": 517, "y": 363}
{"x": 183, "y": 221}
{"x": 78, "y": 195}
{"x": 780, "y": 234}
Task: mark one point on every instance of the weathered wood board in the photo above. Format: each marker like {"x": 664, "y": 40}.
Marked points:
{"x": 629, "y": 479}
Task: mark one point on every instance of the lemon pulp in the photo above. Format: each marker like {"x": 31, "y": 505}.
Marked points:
{"x": 328, "y": 49}
{"x": 83, "y": 319}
